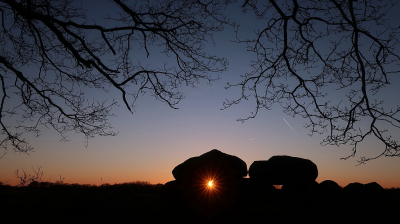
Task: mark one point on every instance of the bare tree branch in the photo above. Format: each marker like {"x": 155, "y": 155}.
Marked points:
{"x": 51, "y": 53}
{"x": 310, "y": 50}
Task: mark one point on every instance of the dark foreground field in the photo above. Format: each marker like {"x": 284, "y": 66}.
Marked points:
{"x": 142, "y": 203}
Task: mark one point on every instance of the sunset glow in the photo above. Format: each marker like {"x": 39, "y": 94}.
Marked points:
{"x": 154, "y": 138}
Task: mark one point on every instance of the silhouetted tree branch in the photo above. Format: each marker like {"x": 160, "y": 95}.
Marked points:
{"x": 51, "y": 50}
{"x": 326, "y": 61}
{"x": 25, "y": 179}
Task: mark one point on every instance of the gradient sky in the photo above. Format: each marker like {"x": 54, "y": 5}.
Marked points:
{"x": 156, "y": 138}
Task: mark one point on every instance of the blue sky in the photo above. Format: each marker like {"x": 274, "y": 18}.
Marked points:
{"x": 155, "y": 138}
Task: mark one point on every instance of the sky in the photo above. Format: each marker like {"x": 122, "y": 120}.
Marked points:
{"x": 155, "y": 138}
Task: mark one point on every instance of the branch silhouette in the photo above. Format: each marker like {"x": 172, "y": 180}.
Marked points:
{"x": 52, "y": 51}
{"x": 310, "y": 50}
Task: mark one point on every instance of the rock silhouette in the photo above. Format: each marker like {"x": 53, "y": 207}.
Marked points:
{"x": 212, "y": 161}
{"x": 329, "y": 186}
{"x": 213, "y": 184}
{"x": 258, "y": 170}
{"x": 370, "y": 193}
{"x": 225, "y": 172}
{"x": 291, "y": 172}
{"x": 374, "y": 188}
{"x": 356, "y": 188}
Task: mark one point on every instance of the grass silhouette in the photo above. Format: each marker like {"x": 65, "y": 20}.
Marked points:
{"x": 140, "y": 201}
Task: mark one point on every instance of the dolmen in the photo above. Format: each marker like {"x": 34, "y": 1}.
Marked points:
{"x": 293, "y": 173}
{"x": 214, "y": 183}
{"x": 213, "y": 178}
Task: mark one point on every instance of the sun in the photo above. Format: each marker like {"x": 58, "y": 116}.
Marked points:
{"x": 210, "y": 183}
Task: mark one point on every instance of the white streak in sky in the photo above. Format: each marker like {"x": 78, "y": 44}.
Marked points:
{"x": 251, "y": 139}
{"x": 290, "y": 127}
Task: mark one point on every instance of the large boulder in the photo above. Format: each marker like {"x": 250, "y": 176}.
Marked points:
{"x": 281, "y": 170}
{"x": 226, "y": 173}
{"x": 329, "y": 187}
{"x": 211, "y": 164}
{"x": 258, "y": 171}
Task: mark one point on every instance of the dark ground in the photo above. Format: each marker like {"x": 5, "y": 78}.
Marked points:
{"x": 143, "y": 204}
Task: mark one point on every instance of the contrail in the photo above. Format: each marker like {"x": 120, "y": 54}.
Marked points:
{"x": 290, "y": 127}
